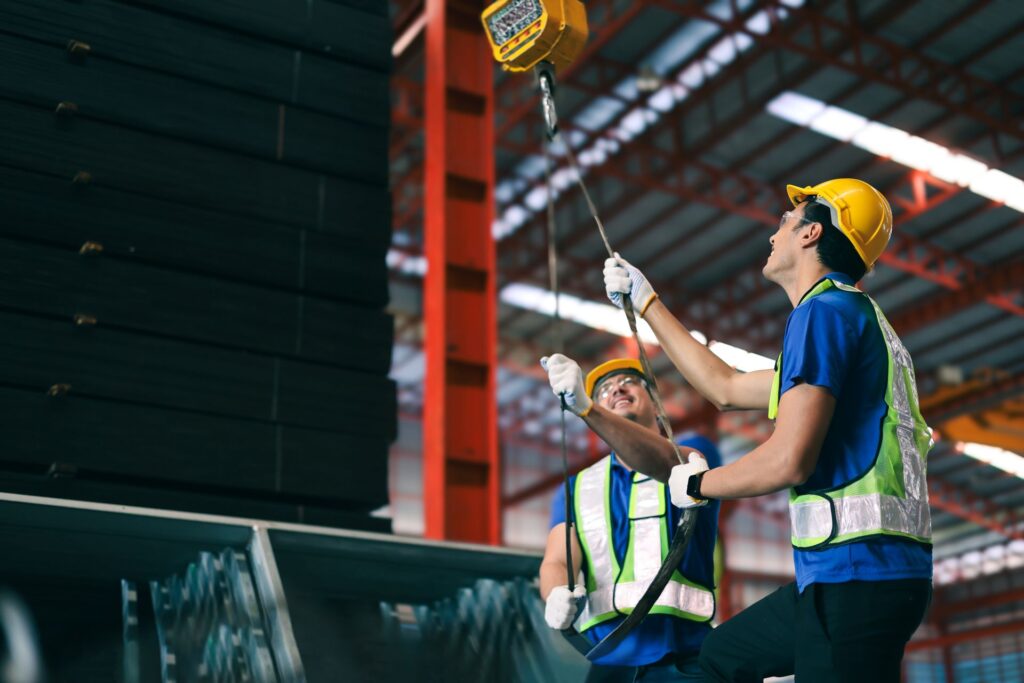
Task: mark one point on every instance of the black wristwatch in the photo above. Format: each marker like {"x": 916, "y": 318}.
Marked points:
{"x": 693, "y": 486}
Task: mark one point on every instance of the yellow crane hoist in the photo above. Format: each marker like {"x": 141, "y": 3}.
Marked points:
{"x": 523, "y": 33}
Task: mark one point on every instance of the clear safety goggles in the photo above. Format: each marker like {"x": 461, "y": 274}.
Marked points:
{"x": 613, "y": 383}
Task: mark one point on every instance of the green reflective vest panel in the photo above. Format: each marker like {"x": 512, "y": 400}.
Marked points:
{"x": 891, "y": 498}
{"x": 614, "y": 590}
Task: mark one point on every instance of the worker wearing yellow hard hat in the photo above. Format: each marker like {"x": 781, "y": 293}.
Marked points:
{"x": 622, "y": 524}
{"x": 849, "y": 444}
{"x": 858, "y": 210}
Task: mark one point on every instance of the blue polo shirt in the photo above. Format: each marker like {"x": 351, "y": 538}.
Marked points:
{"x": 834, "y": 341}
{"x": 658, "y": 634}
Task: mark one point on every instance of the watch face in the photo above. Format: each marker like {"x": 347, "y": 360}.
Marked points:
{"x": 512, "y": 19}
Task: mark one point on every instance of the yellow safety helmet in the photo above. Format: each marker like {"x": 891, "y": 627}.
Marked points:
{"x": 860, "y": 211}
{"x": 628, "y": 365}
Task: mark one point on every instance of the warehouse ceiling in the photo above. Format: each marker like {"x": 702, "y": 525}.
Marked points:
{"x": 689, "y": 119}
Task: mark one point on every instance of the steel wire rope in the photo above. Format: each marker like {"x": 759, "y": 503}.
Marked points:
{"x": 684, "y": 530}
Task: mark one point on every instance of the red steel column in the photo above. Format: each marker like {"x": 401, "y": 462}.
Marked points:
{"x": 460, "y": 438}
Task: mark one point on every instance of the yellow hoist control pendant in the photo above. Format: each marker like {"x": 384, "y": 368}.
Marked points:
{"x": 525, "y": 32}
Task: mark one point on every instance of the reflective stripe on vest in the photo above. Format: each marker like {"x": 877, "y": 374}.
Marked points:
{"x": 613, "y": 590}
{"x": 891, "y": 498}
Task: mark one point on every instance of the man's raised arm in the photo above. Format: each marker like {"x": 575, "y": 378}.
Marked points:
{"x": 724, "y": 386}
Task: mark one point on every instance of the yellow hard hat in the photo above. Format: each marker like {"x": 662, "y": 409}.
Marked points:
{"x": 860, "y": 211}
{"x": 595, "y": 376}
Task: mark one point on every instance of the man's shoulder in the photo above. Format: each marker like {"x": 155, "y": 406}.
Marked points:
{"x": 833, "y": 305}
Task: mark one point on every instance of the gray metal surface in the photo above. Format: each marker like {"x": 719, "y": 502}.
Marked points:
{"x": 271, "y": 593}
{"x": 472, "y": 598}
{"x": 491, "y": 631}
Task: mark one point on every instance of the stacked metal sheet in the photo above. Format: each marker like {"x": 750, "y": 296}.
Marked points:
{"x": 209, "y": 625}
{"x": 194, "y": 222}
{"x": 494, "y": 631}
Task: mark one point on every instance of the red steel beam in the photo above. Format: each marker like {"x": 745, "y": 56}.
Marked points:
{"x": 905, "y": 252}
{"x": 745, "y": 196}
{"x": 965, "y": 636}
{"x": 461, "y": 466}
{"x": 942, "y": 610}
{"x": 919, "y": 202}
{"x": 916, "y": 185}
{"x": 974, "y": 401}
{"x": 972, "y": 508}
{"x": 988, "y": 285}
{"x": 907, "y": 71}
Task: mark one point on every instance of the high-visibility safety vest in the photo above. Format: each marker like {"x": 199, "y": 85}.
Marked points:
{"x": 614, "y": 590}
{"x": 891, "y": 498}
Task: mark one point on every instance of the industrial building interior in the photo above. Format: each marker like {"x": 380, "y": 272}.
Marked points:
{"x": 690, "y": 119}
{"x": 280, "y": 280}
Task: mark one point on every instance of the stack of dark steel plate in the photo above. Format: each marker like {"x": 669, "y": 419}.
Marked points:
{"x": 195, "y": 217}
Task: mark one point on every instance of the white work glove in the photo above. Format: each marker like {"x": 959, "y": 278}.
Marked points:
{"x": 620, "y": 277}
{"x": 680, "y": 478}
{"x": 563, "y": 606}
{"x": 566, "y": 378}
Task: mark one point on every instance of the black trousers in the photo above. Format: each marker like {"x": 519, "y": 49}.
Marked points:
{"x": 842, "y": 632}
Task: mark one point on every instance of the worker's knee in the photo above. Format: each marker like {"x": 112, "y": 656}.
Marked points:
{"x": 727, "y": 657}
{"x": 713, "y": 656}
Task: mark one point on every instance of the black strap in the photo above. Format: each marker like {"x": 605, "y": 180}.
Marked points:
{"x": 676, "y": 552}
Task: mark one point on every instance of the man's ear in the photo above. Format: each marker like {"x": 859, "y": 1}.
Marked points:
{"x": 812, "y": 235}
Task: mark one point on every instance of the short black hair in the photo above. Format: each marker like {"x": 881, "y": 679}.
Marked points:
{"x": 835, "y": 250}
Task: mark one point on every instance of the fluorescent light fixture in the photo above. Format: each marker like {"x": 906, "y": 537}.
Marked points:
{"x": 724, "y": 51}
{"x": 537, "y": 198}
{"x": 740, "y": 359}
{"x": 838, "y": 123}
{"x": 1000, "y": 187}
{"x": 760, "y": 24}
{"x": 999, "y": 458}
{"x": 901, "y": 147}
{"x": 692, "y": 76}
{"x": 608, "y": 318}
{"x": 663, "y": 99}
{"x": 876, "y": 138}
{"x": 589, "y": 313}
{"x": 920, "y": 153}
{"x": 796, "y": 108}
{"x": 958, "y": 169}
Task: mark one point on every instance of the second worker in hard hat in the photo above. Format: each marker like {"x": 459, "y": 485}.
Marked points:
{"x": 849, "y": 445}
{"x": 623, "y": 522}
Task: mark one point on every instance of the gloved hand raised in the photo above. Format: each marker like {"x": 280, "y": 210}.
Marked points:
{"x": 679, "y": 481}
{"x": 620, "y": 277}
{"x": 563, "y": 606}
{"x": 566, "y": 378}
